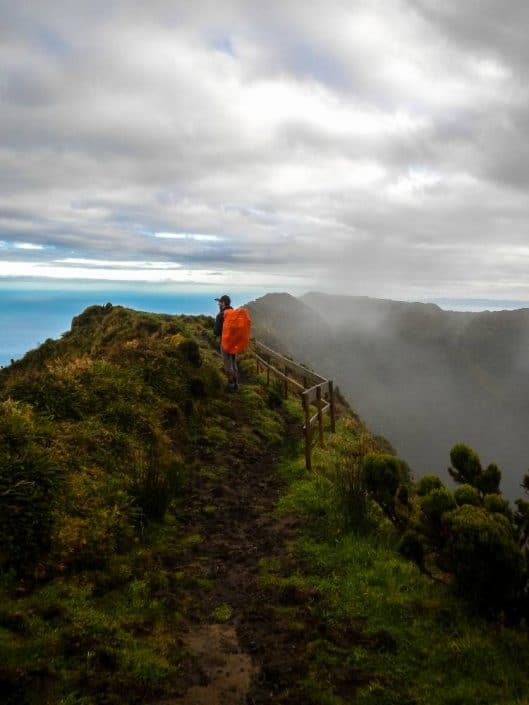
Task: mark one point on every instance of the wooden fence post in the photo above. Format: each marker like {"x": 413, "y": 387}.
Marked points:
{"x": 308, "y": 433}
{"x": 325, "y": 402}
{"x": 320, "y": 415}
{"x": 333, "y": 409}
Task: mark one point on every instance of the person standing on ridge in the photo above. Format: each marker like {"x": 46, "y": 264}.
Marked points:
{"x": 229, "y": 359}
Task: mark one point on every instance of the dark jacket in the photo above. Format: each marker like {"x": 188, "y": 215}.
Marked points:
{"x": 219, "y": 321}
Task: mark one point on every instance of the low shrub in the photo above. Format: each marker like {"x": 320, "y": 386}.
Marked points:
{"x": 412, "y": 546}
{"x": 433, "y": 506}
{"x": 190, "y": 352}
{"x": 467, "y": 470}
{"x": 484, "y": 558}
{"x": 489, "y": 482}
{"x": 497, "y": 504}
{"x": 155, "y": 484}
{"x": 382, "y": 475}
{"x": 436, "y": 503}
{"x": 29, "y": 484}
{"x": 351, "y": 493}
{"x": 428, "y": 483}
{"x": 466, "y": 494}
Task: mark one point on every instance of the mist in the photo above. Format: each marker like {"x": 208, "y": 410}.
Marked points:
{"x": 423, "y": 378}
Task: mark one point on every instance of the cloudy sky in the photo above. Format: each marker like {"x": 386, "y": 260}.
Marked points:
{"x": 367, "y": 147}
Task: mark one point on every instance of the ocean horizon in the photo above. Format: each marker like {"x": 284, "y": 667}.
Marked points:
{"x": 31, "y": 312}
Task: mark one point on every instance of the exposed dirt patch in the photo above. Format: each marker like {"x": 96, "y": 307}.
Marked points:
{"x": 226, "y": 670}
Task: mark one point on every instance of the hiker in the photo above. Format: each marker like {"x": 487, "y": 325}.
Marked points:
{"x": 229, "y": 359}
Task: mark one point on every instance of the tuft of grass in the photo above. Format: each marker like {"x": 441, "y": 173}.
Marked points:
{"x": 223, "y": 613}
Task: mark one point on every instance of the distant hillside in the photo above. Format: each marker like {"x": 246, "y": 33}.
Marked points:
{"x": 422, "y": 377}
{"x": 285, "y": 321}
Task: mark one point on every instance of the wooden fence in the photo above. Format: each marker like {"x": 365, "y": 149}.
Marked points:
{"x": 314, "y": 391}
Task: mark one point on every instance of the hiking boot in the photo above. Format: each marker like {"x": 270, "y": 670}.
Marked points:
{"x": 232, "y": 387}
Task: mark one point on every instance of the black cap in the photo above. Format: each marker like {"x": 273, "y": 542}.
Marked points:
{"x": 224, "y": 299}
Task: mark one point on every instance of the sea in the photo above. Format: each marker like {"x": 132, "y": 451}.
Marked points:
{"x": 32, "y": 310}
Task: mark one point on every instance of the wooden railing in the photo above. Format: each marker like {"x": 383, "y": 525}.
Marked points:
{"x": 313, "y": 390}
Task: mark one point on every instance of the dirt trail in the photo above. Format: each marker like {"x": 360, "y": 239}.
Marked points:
{"x": 227, "y": 671}
{"x": 257, "y": 655}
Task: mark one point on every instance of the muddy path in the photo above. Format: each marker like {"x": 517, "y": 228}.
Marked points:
{"x": 247, "y": 640}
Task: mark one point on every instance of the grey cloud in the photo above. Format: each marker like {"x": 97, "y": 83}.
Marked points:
{"x": 120, "y": 119}
{"x": 486, "y": 26}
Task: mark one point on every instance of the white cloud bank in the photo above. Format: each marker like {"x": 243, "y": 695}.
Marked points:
{"x": 370, "y": 148}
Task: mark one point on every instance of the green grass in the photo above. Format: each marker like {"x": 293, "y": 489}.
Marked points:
{"x": 222, "y": 613}
{"x": 125, "y": 409}
{"x": 419, "y": 643}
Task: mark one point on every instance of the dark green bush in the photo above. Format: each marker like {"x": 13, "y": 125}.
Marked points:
{"x": 274, "y": 399}
{"x": 197, "y": 388}
{"x": 190, "y": 352}
{"x": 521, "y": 521}
{"x": 484, "y": 558}
{"x": 29, "y": 484}
{"x": 171, "y": 328}
{"x": 466, "y": 465}
{"x": 525, "y": 483}
{"x": 489, "y": 482}
{"x": 121, "y": 415}
{"x": 467, "y": 470}
{"x": 147, "y": 327}
{"x": 428, "y": 483}
{"x": 412, "y": 546}
{"x": 496, "y": 503}
{"x": 466, "y": 494}
{"x": 351, "y": 495}
{"x": 473, "y": 535}
{"x": 55, "y": 397}
{"x": 382, "y": 477}
{"x": 436, "y": 503}
{"x": 155, "y": 484}
{"x": 382, "y": 474}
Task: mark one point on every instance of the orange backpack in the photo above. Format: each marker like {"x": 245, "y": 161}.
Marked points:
{"x": 235, "y": 330}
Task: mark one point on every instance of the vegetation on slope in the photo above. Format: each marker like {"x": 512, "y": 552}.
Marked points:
{"x": 99, "y": 434}
{"x": 115, "y": 443}
{"x": 388, "y": 632}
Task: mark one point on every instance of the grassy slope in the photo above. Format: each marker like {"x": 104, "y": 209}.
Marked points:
{"x": 392, "y": 635}
{"x": 122, "y": 402}
{"x": 117, "y": 405}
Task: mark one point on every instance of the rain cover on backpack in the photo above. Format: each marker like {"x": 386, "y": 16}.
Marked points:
{"x": 235, "y": 330}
